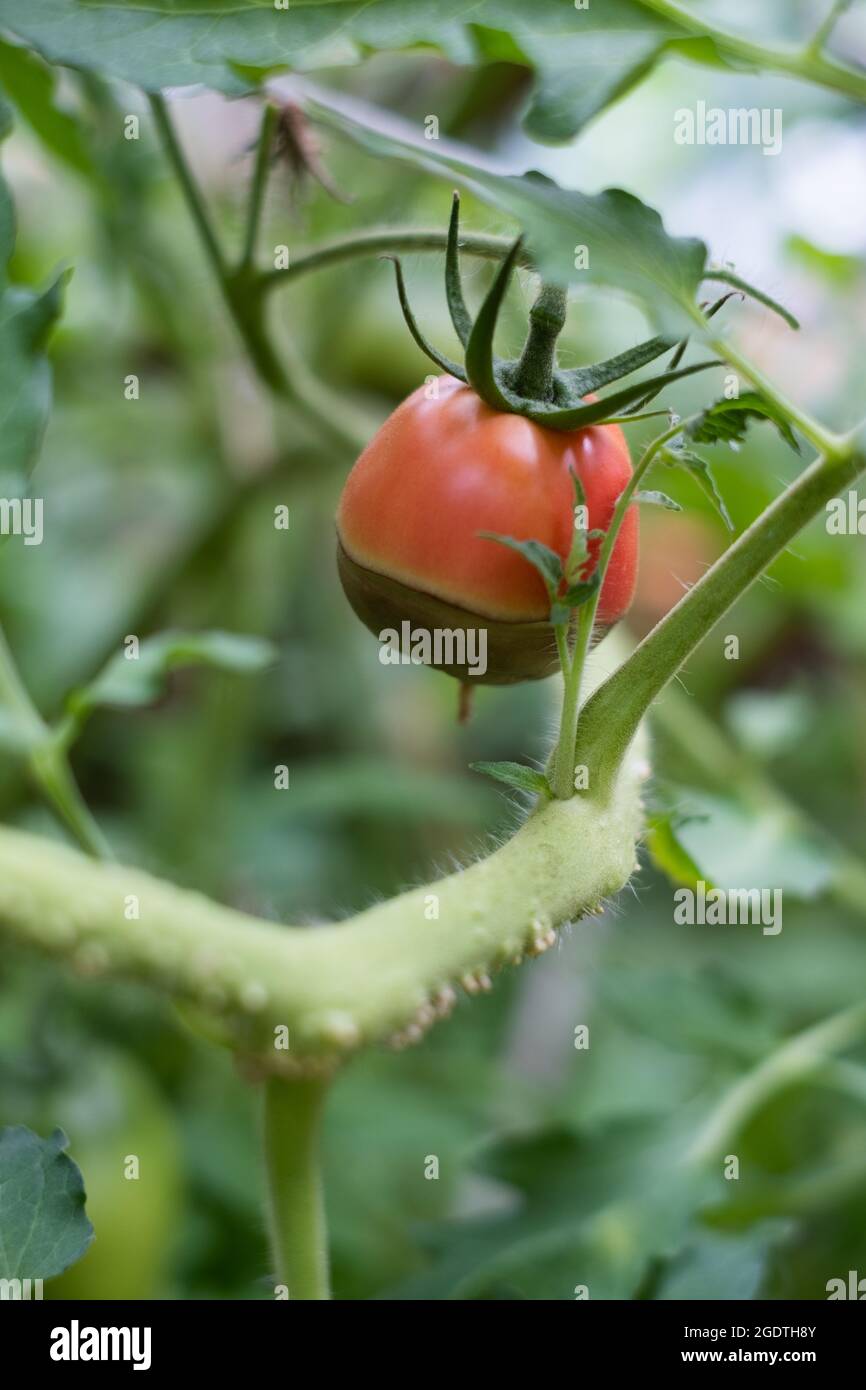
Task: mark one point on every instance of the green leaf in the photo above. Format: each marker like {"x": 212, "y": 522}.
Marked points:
{"x": 700, "y": 471}
{"x": 582, "y": 59}
{"x": 540, "y": 556}
{"x": 43, "y": 1225}
{"x": 736, "y": 846}
{"x": 627, "y": 243}
{"x": 658, "y": 499}
{"x": 595, "y": 1209}
{"x": 726, "y": 422}
{"x": 26, "y": 320}
{"x": 130, "y": 682}
{"x": 717, "y": 1266}
{"x": 525, "y": 779}
{"x": 30, "y": 84}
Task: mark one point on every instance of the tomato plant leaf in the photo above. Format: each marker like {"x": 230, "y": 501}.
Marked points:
{"x": 735, "y": 846}
{"x": 726, "y": 421}
{"x": 43, "y": 1224}
{"x": 658, "y": 499}
{"x": 133, "y": 681}
{"x": 700, "y": 471}
{"x": 30, "y": 84}
{"x": 540, "y": 556}
{"x": 582, "y": 60}
{"x": 26, "y": 319}
{"x": 525, "y": 779}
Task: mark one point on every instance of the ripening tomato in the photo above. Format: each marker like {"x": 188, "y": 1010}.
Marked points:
{"x": 446, "y": 466}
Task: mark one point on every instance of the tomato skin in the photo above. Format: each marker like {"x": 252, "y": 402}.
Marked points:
{"x": 443, "y": 469}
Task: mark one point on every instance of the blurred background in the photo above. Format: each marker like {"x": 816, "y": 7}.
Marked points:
{"x": 159, "y": 514}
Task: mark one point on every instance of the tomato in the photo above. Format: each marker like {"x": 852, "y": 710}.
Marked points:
{"x": 445, "y": 467}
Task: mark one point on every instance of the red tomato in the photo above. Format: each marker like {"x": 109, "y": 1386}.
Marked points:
{"x": 443, "y": 469}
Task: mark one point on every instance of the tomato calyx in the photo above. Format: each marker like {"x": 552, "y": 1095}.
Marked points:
{"x": 533, "y": 385}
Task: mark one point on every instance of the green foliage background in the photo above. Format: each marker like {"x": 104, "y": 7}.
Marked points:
{"x": 558, "y": 1166}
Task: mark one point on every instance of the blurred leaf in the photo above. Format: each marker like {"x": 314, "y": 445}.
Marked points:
{"x": 767, "y": 722}
{"x": 737, "y": 846}
{"x": 128, "y": 681}
{"x": 596, "y": 1209}
{"x": 721, "y": 1266}
{"x": 43, "y": 1224}
{"x": 26, "y": 319}
{"x": 704, "y": 1010}
{"x": 726, "y": 421}
{"x": 30, "y": 84}
{"x": 525, "y": 779}
{"x": 583, "y": 59}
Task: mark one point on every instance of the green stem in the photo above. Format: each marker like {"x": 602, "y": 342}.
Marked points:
{"x": 573, "y": 669}
{"x": 799, "y": 1057}
{"x": 192, "y": 196}
{"x": 241, "y": 289}
{"x": 379, "y": 240}
{"x": 807, "y": 63}
{"x": 611, "y": 717}
{"x": 533, "y": 378}
{"x": 46, "y": 759}
{"x": 296, "y": 1203}
{"x": 259, "y": 183}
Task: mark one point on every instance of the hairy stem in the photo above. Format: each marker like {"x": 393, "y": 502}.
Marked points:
{"x": 378, "y": 240}
{"x": 573, "y": 667}
{"x": 809, "y": 63}
{"x": 46, "y": 759}
{"x": 296, "y": 1202}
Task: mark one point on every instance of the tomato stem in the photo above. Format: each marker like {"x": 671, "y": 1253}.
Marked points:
{"x": 46, "y": 758}
{"x": 534, "y": 376}
{"x": 298, "y": 1229}
{"x": 573, "y": 668}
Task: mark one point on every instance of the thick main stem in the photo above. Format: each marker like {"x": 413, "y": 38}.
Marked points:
{"x": 296, "y": 1203}
{"x": 610, "y": 718}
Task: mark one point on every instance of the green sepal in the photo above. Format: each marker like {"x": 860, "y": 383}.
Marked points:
{"x": 439, "y": 358}
{"x": 525, "y": 779}
{"x": 581, "y": 380}
{"x": 480, "y": 360}
{"x": 613, "y": 406}
{"x": 460, "y": 316}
